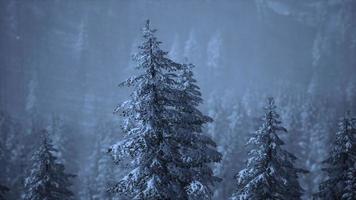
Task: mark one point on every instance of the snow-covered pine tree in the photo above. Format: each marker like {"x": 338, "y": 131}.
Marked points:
{"x": 196, "y": 149}
{"x": 163, "y": 126}
{"x": 47, "y": 179}
{"x": 341, "y": 164}
{"x": 270, "y": 171}
{"x": 3, "y": 190}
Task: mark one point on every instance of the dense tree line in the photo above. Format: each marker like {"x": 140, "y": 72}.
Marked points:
{"x": 308, "y": 111}
{"x": 270, "y": 172}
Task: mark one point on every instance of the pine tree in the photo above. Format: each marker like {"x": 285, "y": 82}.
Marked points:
{"x": 270, "y": 171}
{"x": 47, "y": 179}
{"x": 341, "y": 164}
{"x": 163, "y": 124}
{"x": 197, "y": 149}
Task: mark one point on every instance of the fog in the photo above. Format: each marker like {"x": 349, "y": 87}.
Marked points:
{"x": 66, "y": 58}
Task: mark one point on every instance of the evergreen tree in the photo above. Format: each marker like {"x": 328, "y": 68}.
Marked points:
{"x": 47, "y": 179}
{"x": 163, "y": 124}
{"x": 270, "y": 172}
{"x": 341, "y": 164}
{"x": 195, "y": 145}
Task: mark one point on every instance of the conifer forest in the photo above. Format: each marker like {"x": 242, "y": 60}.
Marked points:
{"x": 178, "y": 99}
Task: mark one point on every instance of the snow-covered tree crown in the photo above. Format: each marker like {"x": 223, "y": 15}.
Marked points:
{"x": 47, "y": 179}
{"x": 266, "y": 136}
{"x": 163, "y": 127}
{"x": 150, "y": 58}
{"x": 270, "y": 173}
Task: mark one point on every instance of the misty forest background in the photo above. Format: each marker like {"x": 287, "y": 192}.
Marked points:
{"x": 61, "y": 62}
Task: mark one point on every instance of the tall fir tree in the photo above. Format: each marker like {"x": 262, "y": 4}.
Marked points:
{"x": 341, "y": 164}
{"x": 170, "y": 154}
{"x": 47, "y": 179}
{"x": 270, "y": 171}
{"x": 197, "y": 149}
